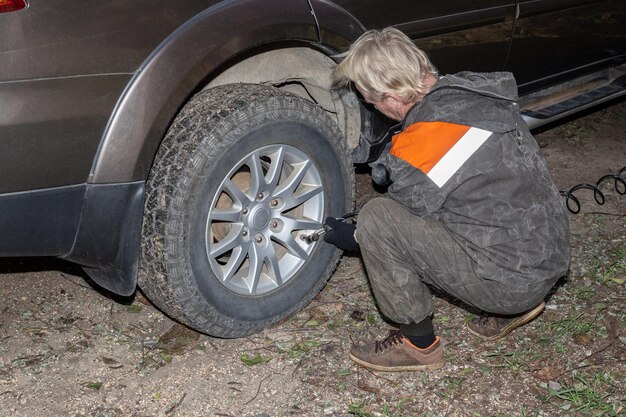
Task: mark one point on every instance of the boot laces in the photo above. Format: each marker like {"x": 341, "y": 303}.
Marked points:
{"x": 394, "y": 338}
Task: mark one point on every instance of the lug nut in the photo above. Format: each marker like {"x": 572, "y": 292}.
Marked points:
{"x": 245, "y": 232}
{"x": 245, "y": 210}
{"x": 273, "y": 203}
{"x": 274, "y": 224}
{"x": 259, "y": 196}
{"x": 258, "y": 238}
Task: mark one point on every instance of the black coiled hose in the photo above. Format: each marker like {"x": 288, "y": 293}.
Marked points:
{"x": 570, "y": 198}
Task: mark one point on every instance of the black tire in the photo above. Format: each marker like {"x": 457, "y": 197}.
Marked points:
{"x": 218, "y": 130}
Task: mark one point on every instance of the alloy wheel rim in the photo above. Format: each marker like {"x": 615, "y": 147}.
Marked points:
{"x": 263, "y": 208}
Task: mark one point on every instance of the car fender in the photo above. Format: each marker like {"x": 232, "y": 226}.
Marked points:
{"x": 174, "y": 71}
{"x": 337, "y": 27}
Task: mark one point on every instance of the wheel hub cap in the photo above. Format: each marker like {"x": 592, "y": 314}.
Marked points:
{"x": 259, "y": 218}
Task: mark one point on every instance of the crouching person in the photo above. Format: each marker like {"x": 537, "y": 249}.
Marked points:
{"x": 472, "y": 210}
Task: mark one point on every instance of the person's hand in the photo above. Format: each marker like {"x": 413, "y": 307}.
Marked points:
{"x": 341, "y": 234}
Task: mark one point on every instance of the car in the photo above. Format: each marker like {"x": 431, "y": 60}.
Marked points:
{"x": 190, "y": 148}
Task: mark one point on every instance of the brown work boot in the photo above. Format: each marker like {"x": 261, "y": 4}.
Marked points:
{"x": 396, "y": 353}
{"x": 496, "y": 327}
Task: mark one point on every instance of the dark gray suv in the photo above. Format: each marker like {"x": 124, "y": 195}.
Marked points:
{"x": 188, "y": 147}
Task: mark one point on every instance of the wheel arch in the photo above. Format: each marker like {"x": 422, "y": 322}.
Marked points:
{"x": 207, "y": 50}
{"x": 303, "y": 70}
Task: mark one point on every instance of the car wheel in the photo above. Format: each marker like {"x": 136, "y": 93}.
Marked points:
{"x": 244, "y": 172}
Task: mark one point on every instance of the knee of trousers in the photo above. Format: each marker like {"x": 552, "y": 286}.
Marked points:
{"x": 374, "y": 219}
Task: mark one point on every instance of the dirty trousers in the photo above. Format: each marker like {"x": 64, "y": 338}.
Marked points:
{"x": 403, "y": 253}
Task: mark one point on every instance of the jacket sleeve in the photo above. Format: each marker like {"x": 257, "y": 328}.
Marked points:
{"x": 412, "y": 188}
{"x": 425, "y": 158}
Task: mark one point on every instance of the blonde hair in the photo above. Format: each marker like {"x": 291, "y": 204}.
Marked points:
{"x": 384, "y": 62}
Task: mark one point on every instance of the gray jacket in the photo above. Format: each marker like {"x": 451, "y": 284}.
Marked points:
{"x": 466, "y": 158}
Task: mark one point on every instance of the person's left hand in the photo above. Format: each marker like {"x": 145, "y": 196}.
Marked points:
{"x": 341, "y": 234}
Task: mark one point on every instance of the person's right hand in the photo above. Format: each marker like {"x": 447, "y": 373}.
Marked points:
{"x": 341, "y": 234}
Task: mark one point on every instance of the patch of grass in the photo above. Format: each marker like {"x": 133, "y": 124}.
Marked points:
{"x": 254, "y": 360}
{"x": 570, "y": 325}
{"x": 513, "y": 360}
{"x": 358, "y": 410}
{"x": 134, "y": 308}
{"x": 299, "y": 349}
{"x": 583, "y": 293}
{"x": 589, "y": 396}
{"x": 93, "y": 385}
{"x": 387, "y": 411}
{"x": 450, "y": 386}
{"x": 609, "y": 268}
{"x": 441, "y": 319}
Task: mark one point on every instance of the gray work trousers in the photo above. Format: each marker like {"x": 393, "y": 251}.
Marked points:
{"x": 404, "y": 252}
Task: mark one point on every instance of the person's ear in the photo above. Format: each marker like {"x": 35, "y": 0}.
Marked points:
{"x": 396, "y": 99}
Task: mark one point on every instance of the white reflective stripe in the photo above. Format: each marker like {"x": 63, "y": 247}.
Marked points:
{"x": 457, "y": 155}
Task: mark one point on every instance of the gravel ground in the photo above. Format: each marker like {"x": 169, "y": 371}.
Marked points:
{"x": 69, "y": 349}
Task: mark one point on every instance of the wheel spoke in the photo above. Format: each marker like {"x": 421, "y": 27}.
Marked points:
{"x": 275, "y": 168}
{"x": 238, "y": 256}
{"x": 231, "y": 215}
{"x": 238, "y": 196}
{"x": 300, "y": 224}
{"x": 230, "y": 241}
{"x": 256, "y": 267}
{"x": 291, "y": 183}
{"x": 286, "y": 240}
{"x": 257, "y": 179}
{"x": 295, "y": 200}
{"x": 274, "y": 267}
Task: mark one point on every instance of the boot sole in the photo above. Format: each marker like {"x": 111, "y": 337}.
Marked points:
{"x": 522, "y": 320}
{"x": 428, "y": 367}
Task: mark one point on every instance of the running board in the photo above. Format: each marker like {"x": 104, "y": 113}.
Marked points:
{"x": 545, "y": 106}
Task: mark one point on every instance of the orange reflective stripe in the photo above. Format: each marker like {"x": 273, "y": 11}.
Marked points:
{"x": 423, "y": 144}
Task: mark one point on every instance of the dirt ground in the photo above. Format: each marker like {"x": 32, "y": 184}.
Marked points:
{"x": 68, "y": 349}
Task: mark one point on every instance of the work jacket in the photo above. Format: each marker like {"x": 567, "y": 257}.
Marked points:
{"x": 466, "y": 158}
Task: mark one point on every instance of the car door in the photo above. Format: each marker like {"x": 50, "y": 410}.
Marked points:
{"x": 556, "y": 40}
{"x": 457, "y": 34}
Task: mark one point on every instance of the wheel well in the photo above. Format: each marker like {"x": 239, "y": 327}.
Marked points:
{"x": 302, "y": 71}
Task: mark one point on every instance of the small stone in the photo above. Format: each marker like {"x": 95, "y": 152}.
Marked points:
{"x": 553, "y": 385}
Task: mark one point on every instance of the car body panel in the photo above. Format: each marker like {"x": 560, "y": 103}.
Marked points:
{"x": 40, "y": 222}
{"x": 62, "y": 38}
{"x": 568, "y": 38}
{"x": 50, "y": 129}
{"x": 376, "y": 14}
{"x": 457, "y": 35}
{"x": 59, "y": 82}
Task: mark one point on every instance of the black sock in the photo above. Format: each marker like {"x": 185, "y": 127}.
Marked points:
{"x": 420, "y": 334}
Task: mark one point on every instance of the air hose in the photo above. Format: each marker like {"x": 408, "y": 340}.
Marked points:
{"x": 573, "y": 204}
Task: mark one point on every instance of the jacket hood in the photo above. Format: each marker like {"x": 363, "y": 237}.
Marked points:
{"x": 500, "y": 85}
{"x": 483, "y": 100}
